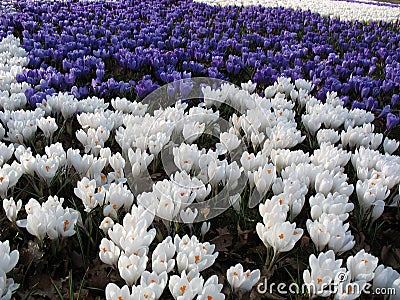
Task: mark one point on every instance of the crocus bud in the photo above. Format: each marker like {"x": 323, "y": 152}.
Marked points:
{"x": 11, "y": 208}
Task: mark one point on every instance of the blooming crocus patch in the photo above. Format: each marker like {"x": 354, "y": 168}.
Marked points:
{"x": 129, "y": 49}
{"x": 186, "y": 150}
{"x": 347, "y": 10}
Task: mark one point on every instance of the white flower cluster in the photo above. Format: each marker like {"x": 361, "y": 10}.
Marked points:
{"x": 269, "y": 126}
{"x": 7, "y": 6}
{"x": 170, "y": 199}
{"x": 12, "y": 60}
{"x": 49, "y": 219}
{"x": 343, "y": 10}
{"x": 8, "y": 260}
{"x": 242, "y": 280}
{"x": 323, "y": 171}
{"x": 349, "y": 281}
{"x": 333, "y": 115}
{"x": 377, "y": 176}
{"x": 22, "y": 124}
{"x": 45, "y": 166}
{"x": 127, "y": 250}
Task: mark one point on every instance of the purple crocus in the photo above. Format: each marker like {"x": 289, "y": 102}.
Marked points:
{"x": 391, "y": 121}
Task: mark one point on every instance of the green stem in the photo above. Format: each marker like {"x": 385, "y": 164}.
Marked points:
{"x": 274, "y": 258}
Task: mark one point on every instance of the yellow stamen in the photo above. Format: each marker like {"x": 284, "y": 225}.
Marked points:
{"x": 66, "y": 223}
{"x": 183, "y": 289}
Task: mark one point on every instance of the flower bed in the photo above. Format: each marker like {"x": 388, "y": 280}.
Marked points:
{"x": 347, "y": 10}
{"x": 65, "y": 55}
{"x": 125, "y": 171}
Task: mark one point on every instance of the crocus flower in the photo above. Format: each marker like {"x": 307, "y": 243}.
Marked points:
{"x": 109, "y": 252}
{"x": 242, "y": 280}
{"x": 284, "y": 236}
{"x": 324, "y": 270}
{"x": 211, "y": 290}
{"x": 156, "y": 282}
{"x": 318, "y": 233}
{"x": 106, "y": 224}
{"x": 185, "y": 286}
{"x": 140, "y": 292}
{"x": 11, "y": 208}
{"x": 384, "y": 277}
{"x": 131, "y": 267}
{"x": 205, "y": 227}
{"x": 362, "y": 266}
{"x": 114, "y": 292}
{"x": 9, "y": 259}
{"x": 47, "y": 125}
{"x": 390, "y": 145}
{"x": 391, "y": 121}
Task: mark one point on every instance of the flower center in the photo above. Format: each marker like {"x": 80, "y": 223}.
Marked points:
{"x": 66, "y": 223}
{"x": 183, "y": 289}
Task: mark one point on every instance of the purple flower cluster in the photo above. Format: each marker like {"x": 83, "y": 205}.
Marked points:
{"x": 130, "y": 48}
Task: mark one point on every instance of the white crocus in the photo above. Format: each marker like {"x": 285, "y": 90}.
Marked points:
{"x": 66, "y": 223}
{"x": 229, "y": 141}
{"x": 113, "y": 292}
{"x": 324, "y": 182}
{"x": 192, "y": 131}
{"x": 156, "y": 282}
{"x": 319, "y": 234}
{"x": 161, "y": 263}
{"x": 211, "y": 290}
{"x": 140, "y": 292}
{"x": 11, "y": 208}
{"x": 264, "y": 177}
{"x": 86, "y": 191}
{"x": 362, "y": 266}
{"x": 46, "y": 168}
{"x": 282, "y": 237}
{"x": 185, "y": 287}
{"x": 48, "y": 126}
{"x": 9, "y": 176}
{"x": 56, "y": 151}
{"x": 347, "y": 289}
{"x": 5, "y": 152}
{"x": 109, "y": 252}
{"x": 249, "y": 86}
{"x": 106, "y": 224}
{"x": 188, "y": 216}
{"x": 324, "y": 270}
{"x": 9, "y": 258}
{"x": 241, "y": 280}
{"x": 384, "y": 277}
{"x": 205, "y": 227}
{"x": 341, "y": 238}
{"x": 131, "y": 267}
{"x": 139, "y": 161}
{"x": 390, "y": 145}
